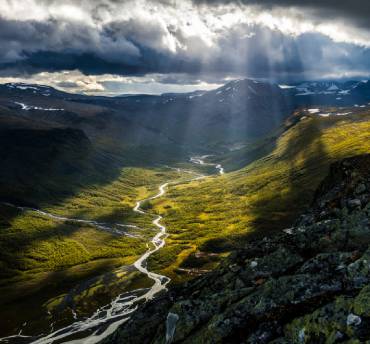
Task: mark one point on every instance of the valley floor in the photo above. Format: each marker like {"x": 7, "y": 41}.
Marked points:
{"x": 67, "y": 260}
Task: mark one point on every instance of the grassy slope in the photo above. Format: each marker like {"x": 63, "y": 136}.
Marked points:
{"x": 42, "y": 259}
{"x": 217, "y": 214}
{"x": 33, "y": 243}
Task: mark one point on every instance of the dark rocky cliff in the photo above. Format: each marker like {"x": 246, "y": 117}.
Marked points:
{"x": 308, "y": 284}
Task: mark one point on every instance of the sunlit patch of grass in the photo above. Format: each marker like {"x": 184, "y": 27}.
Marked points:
{"x": 220, "y": 213}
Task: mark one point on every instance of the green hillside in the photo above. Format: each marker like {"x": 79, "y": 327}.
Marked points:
{"x": 210, "y": 217}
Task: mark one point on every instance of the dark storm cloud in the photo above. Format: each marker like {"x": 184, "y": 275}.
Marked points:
{"x": 266, "y": 53}
{"x": 137, "y": 45}
{"x": 124, "y": 47}
{"x": 358, "y": 11}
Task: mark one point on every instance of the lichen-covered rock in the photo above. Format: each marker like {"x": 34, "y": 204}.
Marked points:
{"x": 308, "y": 284}
{"x": 345, "y": 318}
{"x": 358, "y": 273}
{"x": 361, "y": 304}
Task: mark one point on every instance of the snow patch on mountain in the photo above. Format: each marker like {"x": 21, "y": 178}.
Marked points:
{"x": 31, "y": 107}
{"x": 333, "y": 88}
{"x": 24, "y": 87}
{"x": 318, "y": 112}
{"x": 303, "y": 92}
{"x": 285, "y": 87}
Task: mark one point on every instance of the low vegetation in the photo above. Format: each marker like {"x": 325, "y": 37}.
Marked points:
{"x": 43, "y": 258}
{"x": 217, "y": 214}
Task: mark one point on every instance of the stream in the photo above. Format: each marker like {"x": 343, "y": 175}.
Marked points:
{"x": 199, "y": 160}
{"x": 108, "y": 318}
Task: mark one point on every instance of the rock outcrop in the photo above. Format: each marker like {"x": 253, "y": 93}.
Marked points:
{"x": 307, "y": 284}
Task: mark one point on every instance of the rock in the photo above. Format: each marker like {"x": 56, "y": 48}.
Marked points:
{"x": 234, "y": 268}
{"x": 301, "y": 335}
{"x": 338, "y": 335}
{"x": 239, "y": 283}
{"x": 353, "y": 320}
{"x": 171, "y": 321}
{"x": 354, "y": 203}
{"x": 358, "y": 273}
{"x": 361, "y": 304}
{"x": 360, "y": 189}
{"x": 253, "y": 264}
{"x": 288, "y": 231}
{"x": 327, "y": 262}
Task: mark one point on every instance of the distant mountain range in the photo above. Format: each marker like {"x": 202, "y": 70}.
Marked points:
{"x": 349, "y": 93}
{"x": 240, "y": 111}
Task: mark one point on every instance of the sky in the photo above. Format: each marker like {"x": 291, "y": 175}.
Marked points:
{"x": 112, "y": 47}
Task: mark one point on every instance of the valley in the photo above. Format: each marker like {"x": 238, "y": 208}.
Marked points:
{"x": 86, "y": 235}
{"x": 96, "y": 262}
{"x": 184, "y": 172}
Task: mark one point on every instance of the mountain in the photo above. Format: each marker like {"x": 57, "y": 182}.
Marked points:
{"x": 308, "y": 283}
{"x": 238, "y": 111}
{"x": 348, "y": 93}
{"x": 241, "y": 110}
{"x": 43, "y": 105}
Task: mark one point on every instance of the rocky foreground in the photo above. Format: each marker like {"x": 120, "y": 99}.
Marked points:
{"x": 308, "y": 284}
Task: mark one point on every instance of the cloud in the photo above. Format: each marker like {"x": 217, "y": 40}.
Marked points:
{"x": 357, "y": 11}
{"x": 342, "y": 20}
{"x": 184, "y": 42}
{"x": 112, "y": 85}
{"x": 66, "y": 84}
